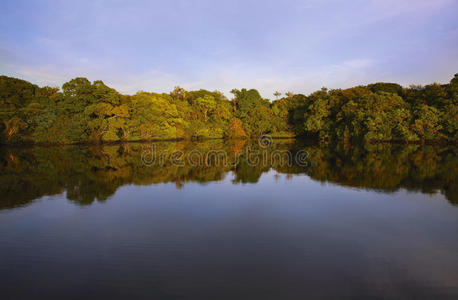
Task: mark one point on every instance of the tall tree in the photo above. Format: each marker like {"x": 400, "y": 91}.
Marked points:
{"x": 235, "y": 100}
{"x": 206, "y": 104}
{"x": 289, "y": 94}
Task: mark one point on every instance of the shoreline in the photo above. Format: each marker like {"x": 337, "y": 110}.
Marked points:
{"x": 121, "y": 142}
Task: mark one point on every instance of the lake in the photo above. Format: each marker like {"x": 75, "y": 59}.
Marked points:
{"x": 267, "y": 219}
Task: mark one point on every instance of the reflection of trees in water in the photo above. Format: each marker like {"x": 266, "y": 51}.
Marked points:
{"x": 94, "y": 173}
{"x": 388, "y": 168}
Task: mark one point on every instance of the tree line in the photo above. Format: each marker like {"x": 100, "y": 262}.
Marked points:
{"x": 91, "y": 112}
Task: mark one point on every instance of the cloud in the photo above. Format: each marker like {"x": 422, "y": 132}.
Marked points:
{"x": 298, "y": 46}
{"x": 42, "y": 76}
{"x": 267, "y": 80}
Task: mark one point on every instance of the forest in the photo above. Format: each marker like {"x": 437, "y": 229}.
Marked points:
{"x": 91, "y": 112}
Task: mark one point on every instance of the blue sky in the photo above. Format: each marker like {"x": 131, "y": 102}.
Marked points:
{"x": 288, "y": 45}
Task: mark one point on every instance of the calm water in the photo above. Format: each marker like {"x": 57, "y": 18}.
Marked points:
{"x": 282, "y": 221}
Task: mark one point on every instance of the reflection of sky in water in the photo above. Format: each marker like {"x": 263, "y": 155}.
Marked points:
{"x": 287, "y": 238}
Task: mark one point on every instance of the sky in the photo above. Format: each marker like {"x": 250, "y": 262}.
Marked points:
{"x": 288, "y": 45}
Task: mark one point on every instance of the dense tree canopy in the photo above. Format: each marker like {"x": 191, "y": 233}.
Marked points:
{"x": 85, "y": 112}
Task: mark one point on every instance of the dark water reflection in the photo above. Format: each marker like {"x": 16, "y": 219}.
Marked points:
{"x": 88, "y": 174}
{"x": 345, "y": 222}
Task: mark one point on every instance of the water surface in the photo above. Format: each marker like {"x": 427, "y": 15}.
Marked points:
{"x": 177, "y": 221}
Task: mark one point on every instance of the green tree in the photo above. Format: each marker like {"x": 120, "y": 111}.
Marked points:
{"x": 206, "y": 104}
{"x": 427, "y": 122}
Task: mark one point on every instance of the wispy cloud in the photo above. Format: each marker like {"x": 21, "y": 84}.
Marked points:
{"x": 293, "y": 45}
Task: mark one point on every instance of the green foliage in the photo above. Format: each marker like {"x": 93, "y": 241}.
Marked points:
{"x": 206, "y": 105}
{"x": 427, "y": 122}
{"x": 318, "y": 115}
{"x": 85, "y": 112}
{"x": 246, "y": 101}
{"x": 392, "y": 88}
